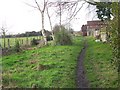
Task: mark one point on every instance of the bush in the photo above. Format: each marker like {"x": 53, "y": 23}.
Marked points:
{"x": 49, "y": 38}
{"x": 17, "y": 46}
{"x": 34, "y": 42}
{"x": 62, "y": 37}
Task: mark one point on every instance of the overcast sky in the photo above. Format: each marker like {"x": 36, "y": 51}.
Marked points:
{"x": 19, "y": 18}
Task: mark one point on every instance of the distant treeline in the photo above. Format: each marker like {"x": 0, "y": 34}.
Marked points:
{"x": 28, "y": 34}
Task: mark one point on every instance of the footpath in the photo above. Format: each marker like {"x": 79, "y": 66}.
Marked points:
{"x": 81, "y": 80}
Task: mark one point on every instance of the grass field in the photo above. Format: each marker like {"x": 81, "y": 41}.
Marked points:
{"x": 55, "y": 66}
{"x": 50, "y": 66}
{"x": 100, "y": 71}
{"x": 12, "y": 40}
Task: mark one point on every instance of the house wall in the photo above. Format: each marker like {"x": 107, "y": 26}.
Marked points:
{"x": 93, "y": 27}
{"x": 103, "y": 37}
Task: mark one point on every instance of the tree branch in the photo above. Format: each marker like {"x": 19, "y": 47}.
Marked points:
{"x": 38, "y": 6}
{"x": 31, "y": 5}
{"x": 92, "y": 2}
{"x": 45, "y": 5}
{"x": 75, "y": 13}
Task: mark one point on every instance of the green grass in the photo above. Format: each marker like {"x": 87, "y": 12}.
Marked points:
{"x": 12, "y": 40}
{"x": 50, "y": 66}
{"x": 99, "y": 69}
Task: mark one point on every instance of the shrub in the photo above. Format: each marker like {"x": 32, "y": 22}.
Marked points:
{"x": 17, "y": 46}
{"x": 34, "y": 42}
{"x": 62, "y": 37}
{"x": 49, "y": 38}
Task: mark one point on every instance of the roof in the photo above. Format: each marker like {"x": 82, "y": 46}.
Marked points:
{"x": 96, "y": 24}
{"x": 93, "y": 23}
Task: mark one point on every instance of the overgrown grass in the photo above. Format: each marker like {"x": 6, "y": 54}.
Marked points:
{"x": 99, "y": 69}
{"x": 50, "y": 66}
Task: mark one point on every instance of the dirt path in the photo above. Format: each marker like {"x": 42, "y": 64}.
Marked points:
{"x": 82, "y": 81}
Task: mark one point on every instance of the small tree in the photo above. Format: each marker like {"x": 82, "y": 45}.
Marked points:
{"x": 62, "y": 35}
{"x": 41, "y": 9}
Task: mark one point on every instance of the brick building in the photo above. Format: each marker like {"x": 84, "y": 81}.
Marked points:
{"x": 92, "y": 28}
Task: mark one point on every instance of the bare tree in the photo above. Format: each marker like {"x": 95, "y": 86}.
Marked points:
{"x": 42, "y": 11}
{"x": 60, "y": 11}
{"x": 58, "y": 5}
{"x": 61, "y": 7}
{"x": 72, "y": 7}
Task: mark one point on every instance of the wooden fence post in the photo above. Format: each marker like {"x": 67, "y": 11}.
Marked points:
{"x": 8, "y": 43}
{"x": 26, "y": 40}
{"x": 22, "y": 41}
{"x": 15, "y": 41}
{"x": 4, "y": 42}
{"x": 31, "y": 40}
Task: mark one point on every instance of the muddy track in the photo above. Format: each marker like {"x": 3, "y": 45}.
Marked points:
{"x": 81, "y": 79}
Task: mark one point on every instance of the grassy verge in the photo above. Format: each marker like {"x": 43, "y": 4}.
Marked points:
{"x": 99, "y": 69}
{"x": 50, "y": 66}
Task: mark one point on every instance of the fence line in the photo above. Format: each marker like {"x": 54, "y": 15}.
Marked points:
{"x": 10, "y": 42}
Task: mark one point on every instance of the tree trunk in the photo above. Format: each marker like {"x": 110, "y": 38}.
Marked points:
{"x": 51, "y": 29}
{"x": 43, "y": 30}
{"x": 53, "y": 35}
{"x": 50, "y": 25}
{"x": 60, "y": 14}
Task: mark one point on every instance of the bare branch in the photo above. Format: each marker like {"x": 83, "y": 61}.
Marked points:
{"x": 91, "y": 10}
{"x": 94, "y": 16}
{"x": 38, "y": 6}
{"x": 72, "y": 5}
{"x": 75, "y": 13}
{"x": 31, "y": 5}
{"x": 79, "y": 9}
{"x": 45, "y": 5}
{"x": 92, "y": 2}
